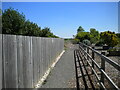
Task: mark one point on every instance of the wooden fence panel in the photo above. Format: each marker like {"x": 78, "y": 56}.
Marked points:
{"x": 26, "y": 59}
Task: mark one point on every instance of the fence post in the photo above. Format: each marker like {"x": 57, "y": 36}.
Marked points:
{"x": 87, "y": 55}
{"x": 93, "y": 57}
{"x": 102, "y": 67}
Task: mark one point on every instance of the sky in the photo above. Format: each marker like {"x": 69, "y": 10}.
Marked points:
{"x": 63, "y": 18}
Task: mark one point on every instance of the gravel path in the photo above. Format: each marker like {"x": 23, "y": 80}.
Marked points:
{"x": 63, "y": 73}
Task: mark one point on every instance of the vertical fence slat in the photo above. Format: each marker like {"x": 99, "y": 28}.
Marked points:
{"x": 0, "y": 61}
{"x": 10, "y": 61}
{"x": 20, "y": 61}
{"x": 27, "y": 63}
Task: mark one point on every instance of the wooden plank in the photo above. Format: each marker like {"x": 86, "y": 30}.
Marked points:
{"x": 47, "y": 54}
{"x": 27, "y": 72}
{"x": 10, "y": 61}
{"x": 31, "y": 62}
{"x": 34, "y": 50}
{"x": 20, "y": 61}
{"x": 39, "y": 56}
{"x": 1, "y": 61}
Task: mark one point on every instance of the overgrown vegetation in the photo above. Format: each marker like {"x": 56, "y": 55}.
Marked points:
{"x": 109, "y": 38}
{"x": 93, "y": 36}
{"x": 14, "y": 22}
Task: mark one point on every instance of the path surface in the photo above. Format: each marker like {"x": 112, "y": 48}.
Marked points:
{"x": 64, "y": 71}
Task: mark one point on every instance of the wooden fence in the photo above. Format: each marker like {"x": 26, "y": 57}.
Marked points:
{"x": 26, "y": 59}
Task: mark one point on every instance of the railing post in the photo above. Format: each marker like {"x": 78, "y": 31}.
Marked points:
{"x": 87, "y": 55}
{"x": 93, "y": 57}
{"x": 103, "y": 68}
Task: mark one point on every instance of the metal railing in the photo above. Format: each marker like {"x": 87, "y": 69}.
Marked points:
{"x": 84, "y": 51}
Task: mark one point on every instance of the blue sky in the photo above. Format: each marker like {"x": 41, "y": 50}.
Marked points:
{"x": 65, "y": 17}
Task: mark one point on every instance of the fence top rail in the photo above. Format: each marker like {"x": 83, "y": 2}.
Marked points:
{"x": 31, "y": 36}
{"x": 110, "y": 61}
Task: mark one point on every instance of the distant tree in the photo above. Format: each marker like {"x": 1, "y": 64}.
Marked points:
{"x": 109, "y": 38}
{"x": 83, "y": 35}
{"x": 46, "y": 32}
{"x": 12, "y": 22}
{"x": 118, "y": 35}
{"x": 94, "y": 35}
{"x": 80, "y": 29}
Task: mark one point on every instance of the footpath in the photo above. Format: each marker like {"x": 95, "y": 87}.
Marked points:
{"x": 63, "y": 74}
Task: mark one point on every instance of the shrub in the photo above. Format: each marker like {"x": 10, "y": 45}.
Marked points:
{"x": 87, "y": 42}
{"x": 109, "y": 38}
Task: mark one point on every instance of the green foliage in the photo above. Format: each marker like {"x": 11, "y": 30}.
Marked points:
{"x": 15, "y": 23}
{"x": 80, "y": 29}
{"x": 87, "y": 42}
{"x": 83, "y": 35}
{"x": 100, "y": 43}
{"x": 76, "y": 41}
{"x": 31, "y": 29}
{"x": 12, "y": 22}
{"x": 109, "y": 38}
{"x": 94, "y": 35}
{"x": 118, "y": 35}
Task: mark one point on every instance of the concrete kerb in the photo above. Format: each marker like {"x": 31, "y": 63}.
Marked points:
{"x": 39, "y": 84}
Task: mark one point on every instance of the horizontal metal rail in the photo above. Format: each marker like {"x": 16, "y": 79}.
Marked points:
{"x": 114, "y": 64}
{"x": 94, "y": 72}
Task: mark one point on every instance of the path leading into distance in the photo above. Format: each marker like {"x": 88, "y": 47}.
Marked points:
{"x": 64, "y": 71}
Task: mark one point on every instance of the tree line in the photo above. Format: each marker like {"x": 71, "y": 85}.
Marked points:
{"x": 94, "y": 37}
{"x": 14, "y": 22}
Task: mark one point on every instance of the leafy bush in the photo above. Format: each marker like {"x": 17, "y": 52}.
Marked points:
{"x": 94, "y": 35}
{"x": 100, "y": 43}
{"x": 87, "y": 42}
{"x": 83, "y": 35}
{"x": 109, "y": 38}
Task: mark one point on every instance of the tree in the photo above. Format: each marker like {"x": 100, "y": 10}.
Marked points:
{"x": 12, "y": 22}
{"x": 31, "y": 29}
{"x": 94, "y": 35}
{"x": 0, "y": 21}
{"x": 109, "y": 38}
{"x": 83, "y": 35}
{"x": 15, "y": 23}
{"x": 80, "y": 29}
